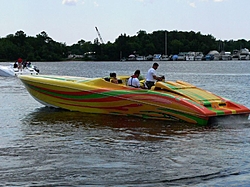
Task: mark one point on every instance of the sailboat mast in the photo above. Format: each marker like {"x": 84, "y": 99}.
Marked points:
{"x": 166, "y": 43}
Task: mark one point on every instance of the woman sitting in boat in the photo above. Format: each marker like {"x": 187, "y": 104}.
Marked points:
{"x": 133, "y": 81}
{"x": 113, "y": 78}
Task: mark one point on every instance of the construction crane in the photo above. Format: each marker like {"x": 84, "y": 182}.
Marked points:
{"x": 99, "y": 35}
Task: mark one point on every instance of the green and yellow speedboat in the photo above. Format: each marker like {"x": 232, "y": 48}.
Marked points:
{"x": 177, "y": 101}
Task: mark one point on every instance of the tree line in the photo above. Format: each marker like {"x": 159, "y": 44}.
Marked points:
{"x": 44, "y": 48}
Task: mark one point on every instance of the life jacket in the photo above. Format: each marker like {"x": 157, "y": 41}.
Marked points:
{"x": 133, "y": 76}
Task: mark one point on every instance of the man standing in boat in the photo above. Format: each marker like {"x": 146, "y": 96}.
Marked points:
{"x": 20, "y": 64}
{"x": 151, "y": 76}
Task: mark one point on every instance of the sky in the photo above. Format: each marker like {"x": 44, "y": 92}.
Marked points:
{"x": 69, "y": 21}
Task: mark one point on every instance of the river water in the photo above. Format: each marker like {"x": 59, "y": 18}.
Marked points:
{"x": 42, "y": 146}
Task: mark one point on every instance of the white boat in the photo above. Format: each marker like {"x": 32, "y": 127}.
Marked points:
{"x": 6, "y": 71}
{"x": 157, "y": 57}
{"x": 164, "y": 58}
{"x": 190, "y": 56}
{"x": 198, "y": 56}
{"x": 181, "y": 56}
{"x": 242, "y": 54}
{"x": 10, "y": 71}
{"x": 235, "y": 55}
{"x": 140, "y": 58}
{"x": 224, "y": 55}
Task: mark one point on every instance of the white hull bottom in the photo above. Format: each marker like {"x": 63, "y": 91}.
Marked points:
{"x": 7, "y": 71}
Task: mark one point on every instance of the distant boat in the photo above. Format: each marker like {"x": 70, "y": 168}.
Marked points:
{"x": 242, "y": 54}
{"x": 159, "y": 57}
{"x": 7, "y": 71}
{"x": 140, "y": 58}
{"x": 190, "y": 56}
{"x": 10, "y": 71}
{"x": 225, "y": 55}
{"x": 156, "y": 57}
{"x": 164, "y": 58}
{"x": 213, "y": 55}
{"x": 149, "y": 57}
{"x": 131, "y": 57}
{"x": 181, "y": 57}
{"x": 198, "y": 56}
{"x": 174, "y": 57}
{"x": 235, "y": 55}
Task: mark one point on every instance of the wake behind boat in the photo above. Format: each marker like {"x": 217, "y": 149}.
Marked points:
{"x": 176, "y": 101}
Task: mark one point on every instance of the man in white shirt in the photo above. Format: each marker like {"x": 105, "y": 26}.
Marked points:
{"x": 151, "y": 76}
{"x": 133, "y": 81}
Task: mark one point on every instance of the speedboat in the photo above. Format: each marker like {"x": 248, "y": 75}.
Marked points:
{"x": 166, "y": 100}
{"x": 10, "y": 71}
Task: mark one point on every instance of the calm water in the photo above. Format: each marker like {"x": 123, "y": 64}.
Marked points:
{"x": 41, "y": 146}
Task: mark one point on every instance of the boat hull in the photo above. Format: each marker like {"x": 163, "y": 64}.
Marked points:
{"x": 100, "y": 96}
{"x": 8, "y": 71}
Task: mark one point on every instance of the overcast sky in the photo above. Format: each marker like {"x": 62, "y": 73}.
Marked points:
{"x": 69, "y": 21}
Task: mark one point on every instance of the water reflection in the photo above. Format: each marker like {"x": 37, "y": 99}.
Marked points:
{"x": 153, "y": 129}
